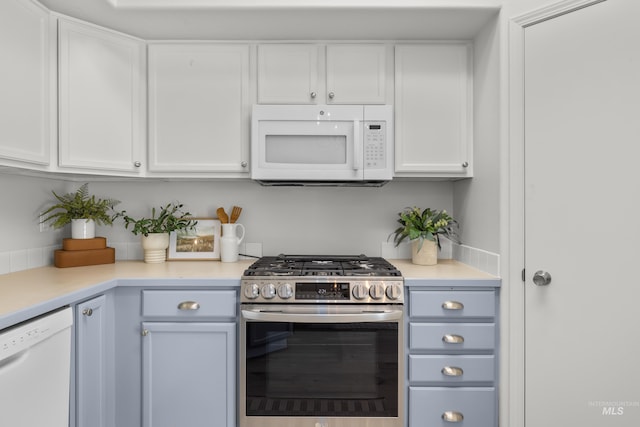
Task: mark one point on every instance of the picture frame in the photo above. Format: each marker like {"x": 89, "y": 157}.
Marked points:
{"x": 202, "y": 243}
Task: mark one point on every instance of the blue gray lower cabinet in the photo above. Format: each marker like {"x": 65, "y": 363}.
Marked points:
{"x": 176, "y": 357}
{"x": 452, "y": 367}
{"x": 161, "y": 357}
{"x": 92, "y": 349}
{"x": 188, "y": 374}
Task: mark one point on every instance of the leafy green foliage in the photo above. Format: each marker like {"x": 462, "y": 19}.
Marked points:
{"x": 80, "y": 205}
{"x": 170, "y": 217}
{"x": 427, "y": 224}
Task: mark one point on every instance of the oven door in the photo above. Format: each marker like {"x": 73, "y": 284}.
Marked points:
{"x": 321, "y": 366}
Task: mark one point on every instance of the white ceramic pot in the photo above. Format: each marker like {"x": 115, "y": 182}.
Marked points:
{"x": 427, "y": 255}
{"x": 83, "y": 229}
{"x": 155, "y": 247}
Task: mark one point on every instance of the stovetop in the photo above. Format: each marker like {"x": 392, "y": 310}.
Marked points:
{"x": 322, "y": 279}
{"x": 322, "y": 265}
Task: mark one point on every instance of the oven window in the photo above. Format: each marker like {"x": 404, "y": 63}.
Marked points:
{"x": 322, "y": 369}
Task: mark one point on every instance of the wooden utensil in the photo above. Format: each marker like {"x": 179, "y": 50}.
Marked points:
{"x": 222, "y": 216}
{"x": 235, "y": 214}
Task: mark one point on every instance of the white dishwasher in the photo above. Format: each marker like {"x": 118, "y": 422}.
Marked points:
{"x": 34, "y": 371}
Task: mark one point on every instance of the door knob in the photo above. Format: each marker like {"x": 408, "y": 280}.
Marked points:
{"x": 541, "y": 278}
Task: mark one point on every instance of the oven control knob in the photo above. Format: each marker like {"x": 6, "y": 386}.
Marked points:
{"x": 285, "y": 291}
{"x": 376, "y": 291}
{"x": 360, "y": 291}
{"x": 251, "y": 291}
{"x": 394, "y": 291}
{"x": 268, "y": 291}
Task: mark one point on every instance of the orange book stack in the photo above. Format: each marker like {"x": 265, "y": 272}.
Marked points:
{"x": 79, "y": 252}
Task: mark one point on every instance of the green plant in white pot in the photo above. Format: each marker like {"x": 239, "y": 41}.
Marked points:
{"x": 82, "y": 210}
{"x": 424, "y": 228}
{"x": 155, "y": 229}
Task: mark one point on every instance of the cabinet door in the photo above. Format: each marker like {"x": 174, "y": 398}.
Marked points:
{"x": 91, "y": 371}
{"x": 433, "y": 110}
{"x": 198, "y": 108}
{"x": 189, "y": 374}
{"x": 356, "y": 74}
{"x": 24, "y": 103}
{"x": 101, "y": 108}
{"x": 288, "y": 74}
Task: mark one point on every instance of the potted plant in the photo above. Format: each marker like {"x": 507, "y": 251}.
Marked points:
{"x": 155, "y": 230}
{"x": 82, "y": 210}
{"x": 424, "y": 228}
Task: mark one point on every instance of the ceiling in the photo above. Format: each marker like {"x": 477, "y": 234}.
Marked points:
{"x": 285, "y": 19}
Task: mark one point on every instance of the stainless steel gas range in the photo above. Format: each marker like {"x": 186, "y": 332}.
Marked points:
{"x": 321, "y": 342}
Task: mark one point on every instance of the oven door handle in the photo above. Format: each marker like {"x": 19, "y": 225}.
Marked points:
{"x": 349, "y": 317}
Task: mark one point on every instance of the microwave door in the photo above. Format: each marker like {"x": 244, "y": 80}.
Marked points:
{"x": 310, "y": 150}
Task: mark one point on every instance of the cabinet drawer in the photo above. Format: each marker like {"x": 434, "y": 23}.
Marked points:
{"x": 429, "y": 407}
{"x": 451, "y": 336}
{"x": 189, "y": 304}
{"x": 451, "y": 369}
{"x": 452, "y": 304}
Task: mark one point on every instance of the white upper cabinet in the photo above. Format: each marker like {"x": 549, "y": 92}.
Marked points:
{"x": 288, "y": 74}
{"x": 316, "y": 74}
{"x": 101, "y": 100}
{"x": 25, "y": 134}
{"x": 199, "y": 109}
{"x": 434, "y": 123}
{"x": 356, "y": 74}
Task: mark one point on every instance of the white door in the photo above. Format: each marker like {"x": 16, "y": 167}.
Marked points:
{"x": 582, "y": 204}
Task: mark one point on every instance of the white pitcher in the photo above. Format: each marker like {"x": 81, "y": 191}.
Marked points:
{"x": 229, "y": 242}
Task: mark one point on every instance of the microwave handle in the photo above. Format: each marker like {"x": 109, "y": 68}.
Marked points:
{"x": 357, "y": 145}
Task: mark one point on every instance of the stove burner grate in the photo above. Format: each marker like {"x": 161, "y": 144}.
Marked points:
{"x": 322, "y": 265}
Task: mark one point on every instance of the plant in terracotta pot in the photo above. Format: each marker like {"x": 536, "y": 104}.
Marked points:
{"x": 424, "y": 228}
{"x": 82, "y": 210}
{"x": 155, "y": 229}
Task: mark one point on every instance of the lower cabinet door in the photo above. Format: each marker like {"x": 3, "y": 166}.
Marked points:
{"x": 91, "y": 363}
{"x": 189, "y": 374}
{"x": 446, "y": 407}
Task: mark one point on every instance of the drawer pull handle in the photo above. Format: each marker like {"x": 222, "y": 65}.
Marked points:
{"x": 452, "y": 371}
{"x": 188, "y": 305}
{"x": 453, "y": 339}
{"x": 452, "y": 305}
{"x": 453, "y": 416}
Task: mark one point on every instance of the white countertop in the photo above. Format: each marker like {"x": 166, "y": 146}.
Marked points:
{"x": 32, "y": 292}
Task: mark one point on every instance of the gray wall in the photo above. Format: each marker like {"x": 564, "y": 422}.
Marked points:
{"x": 282, "y": 219}
{"x": 477, "y": 201}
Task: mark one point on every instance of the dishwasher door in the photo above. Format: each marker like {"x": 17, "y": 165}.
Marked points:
{"x": 34, "y": 371}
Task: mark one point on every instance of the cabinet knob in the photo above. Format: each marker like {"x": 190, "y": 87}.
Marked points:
{"x": 313, "y": 95}
{"x": 137, "y": 164}
{"x": 244, "y": 164}
{"x": 188, "y": 305}
{"x": 452, "y": 371}
{"x": 452, "y": 305}
{"x": 452, "y": 416}
{"x": 331, "y": 95}
{"x": 87, "y": 311}
{"x": 145, "y": 332}
{"x": 453, "y": 339}
{"x": 465, "y": 164}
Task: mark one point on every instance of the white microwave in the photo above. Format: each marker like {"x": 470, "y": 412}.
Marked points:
{"x": 322, "y": 144}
